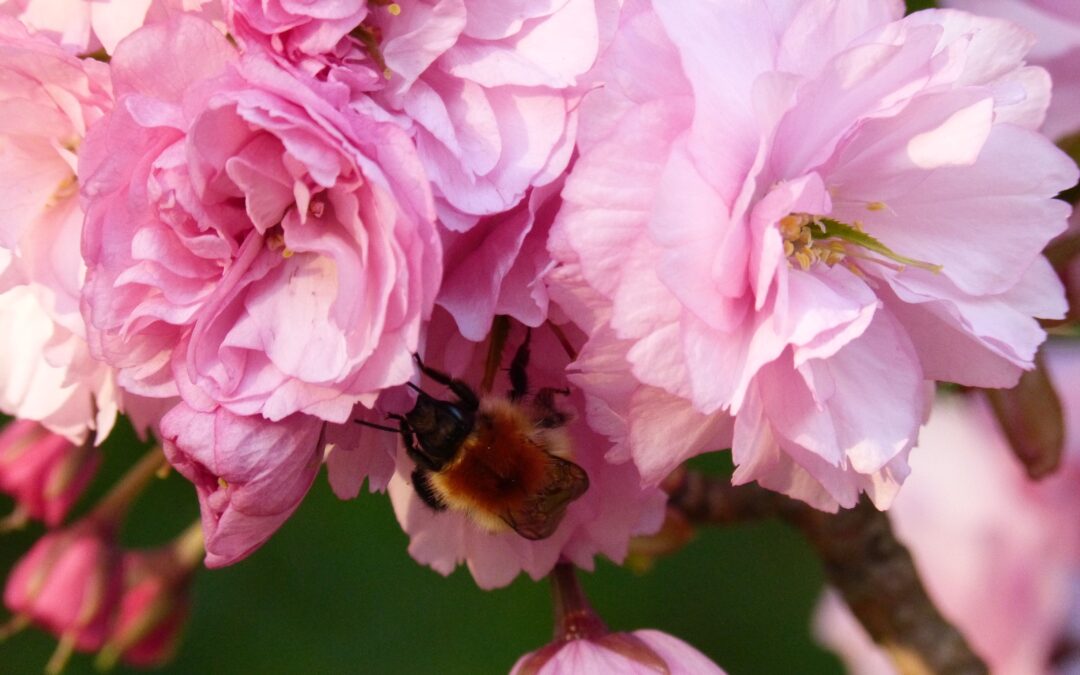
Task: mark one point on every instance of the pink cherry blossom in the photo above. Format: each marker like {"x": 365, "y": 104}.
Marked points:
{"x": 497, "y": 266}
{"x": 614, "y": 508}
{"x": 772, "y": 218}
{"x": 44, "y": 472}
{"x": 1056, "y": 25}
{"x": 49, "y": 98}
{"x": 87, "y": 25}
{"x": 621, "y": 654}
{"x": 490, "y": 90}
{"x": 251, "y": 242}
{"x": 69, "y": 583}
{"x": 358, "y": 452}
{"x": 249, "y": 474}
{"x": 291, "y": 27}
{"x": 999, "y": 554}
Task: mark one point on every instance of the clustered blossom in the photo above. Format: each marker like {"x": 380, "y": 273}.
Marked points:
{"x": 1000, "y": 555}
{"x": 252, "y": 246}
{"x": 804, "y": 233}
{"x": 767, "y": 226}
{"x": 89, "y": 25}
{"x": 49, "y": 100}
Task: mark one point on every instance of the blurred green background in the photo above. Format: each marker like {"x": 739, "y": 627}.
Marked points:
{"x": 334, "y": 591}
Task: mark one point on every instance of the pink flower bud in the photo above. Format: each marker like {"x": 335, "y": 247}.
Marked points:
{"x": 43, "y": 471}
{"x": 250, "y": 473}
{"x": 1030, "y": 416}
{"x": 155, "y": 603}
{"x": 69, "y": 583}
{"x": 584, "y": 646}
{"x": 643, "y": 652}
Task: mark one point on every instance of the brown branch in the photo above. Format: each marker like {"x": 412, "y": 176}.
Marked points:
{"x": 862, "y": 558}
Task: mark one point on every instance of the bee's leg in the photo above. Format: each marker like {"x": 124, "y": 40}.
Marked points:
{"x": 519, "y": 376}
{"x": 420, "y": 482}
{"x": 418, "y": 456}
{"x": 463, "y": 391}
{"x": 549, "y": 416}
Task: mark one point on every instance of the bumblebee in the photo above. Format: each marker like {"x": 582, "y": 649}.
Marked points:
{"x": 503, "y": 461}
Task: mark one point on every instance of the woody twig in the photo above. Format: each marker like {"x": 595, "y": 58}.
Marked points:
{"x": 863, "y": 560}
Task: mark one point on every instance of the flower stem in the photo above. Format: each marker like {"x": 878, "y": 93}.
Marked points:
{"x": 188, "y": 547}
{"x": 575, "y": 618}
{"x": 114, "y": 505}
{"x": 59, "y": 659}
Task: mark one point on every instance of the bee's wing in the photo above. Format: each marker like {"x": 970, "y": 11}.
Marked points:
{"x": 539, "y": 516}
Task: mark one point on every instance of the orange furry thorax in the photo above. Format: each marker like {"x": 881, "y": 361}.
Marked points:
{"x": 500, "y": 465}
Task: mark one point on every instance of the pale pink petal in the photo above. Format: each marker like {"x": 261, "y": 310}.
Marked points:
{"x": 249, "y": 474}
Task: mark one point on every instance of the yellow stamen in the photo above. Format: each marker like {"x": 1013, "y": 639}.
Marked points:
{"x": 222, "y": 483}
{"x": 394, "y": 9}
{"x": 836, "y": 242}
{"x": 67, "y": 187}
{"x": 876, "y": 206}
{"x": 791, "y": 226}
{"x": 276, "y": 242}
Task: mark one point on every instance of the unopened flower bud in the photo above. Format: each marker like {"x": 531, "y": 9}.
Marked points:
{"x": 643, "y": 652}
{"x": 43, "y": 471}
{"x": 69, "y": 584}
{"x": 584, "y": 646}
{"x": 1030, "y": 415}
{"x": 155, "y": 603}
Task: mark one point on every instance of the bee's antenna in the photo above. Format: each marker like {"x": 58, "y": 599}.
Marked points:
{"x": 381, "y": 427}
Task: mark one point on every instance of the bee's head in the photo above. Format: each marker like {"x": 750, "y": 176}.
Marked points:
{"x": 440, "y": 426}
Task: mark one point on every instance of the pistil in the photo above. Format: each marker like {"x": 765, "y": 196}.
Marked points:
{"x": 809, "y": 240}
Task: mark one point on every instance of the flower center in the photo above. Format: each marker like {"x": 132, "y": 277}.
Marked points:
{"x": 390, "y": 6}
{"x": 371, "y": 37}
{"x": 275, "y": 241}
{"x": 801, "y": 248}
{"x": 809, "y": 240}
{"x": 66, "y": 188}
